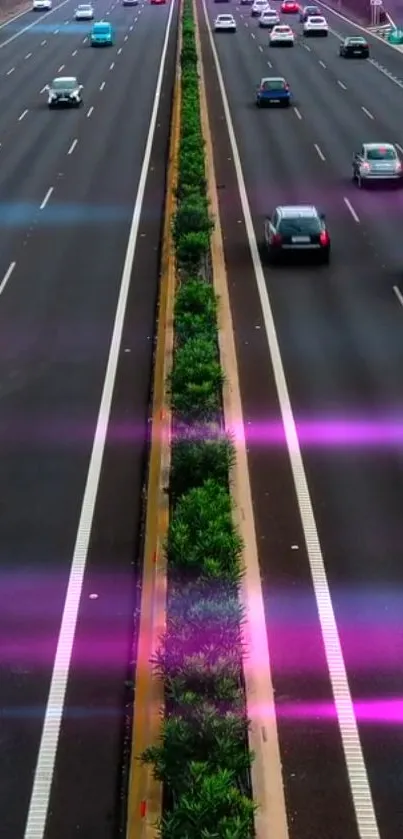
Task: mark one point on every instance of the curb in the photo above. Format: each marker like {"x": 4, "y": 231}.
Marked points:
{"x": 145, "y": 792}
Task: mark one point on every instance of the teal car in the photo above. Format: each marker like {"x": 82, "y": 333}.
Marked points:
{"x": 102, "y": 35}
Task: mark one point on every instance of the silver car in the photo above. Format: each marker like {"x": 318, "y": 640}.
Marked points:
{"x": 376, "y": 162}
{"x": 65, "y": 90}
{"x": 84, "y": 12}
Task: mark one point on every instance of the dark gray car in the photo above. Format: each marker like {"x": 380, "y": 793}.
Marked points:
{"x": 64, "y": 91}
{"x": 377, "y": 162}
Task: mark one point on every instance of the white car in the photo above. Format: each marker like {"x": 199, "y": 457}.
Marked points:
{"x": 84, "y": 12}
{"x": 225, "y": 23}
{"x": 281, "y": 36}
{"x": 316, "y": 25}
{"x": 41, "y": 5}
{"x": 258, "y": 7}
{"x": 268, "y": 19}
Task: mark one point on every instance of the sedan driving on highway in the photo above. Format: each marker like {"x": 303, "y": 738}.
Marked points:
{"x": 258, "y": 7}
{"x": 41, "y": 5}
{"x": 273, "y": 91}
{"x": 246, "y": 2}
{"x": 64, "y": 91}
{"x": 316, "y": 26}
{"x": 355, "y": 47}
{"x": 268, "y": 19}
{"x": 130, "y": 2}
{"x": 225, "y": 23}
{"x": 297, "y": 231}
{"x": 281, "y": 36}
{"x": 376, "y": 162}
{"x": 308, "y": 11}
{"x": 84, "y": 12}
{"x": 289, "y": 7}
{"x": 102, "y": 35}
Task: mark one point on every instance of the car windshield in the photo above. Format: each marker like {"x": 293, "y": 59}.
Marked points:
{"x": 64, "y": 84}
{"x": 311, "y": 10}
{"x": 381, "y": 154}
{"x": 302, "y": 226}
{"x": 273, "y": 84}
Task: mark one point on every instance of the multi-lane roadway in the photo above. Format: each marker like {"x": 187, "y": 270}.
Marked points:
{"x": 81, "y": 200}
{"x": 339, "y": 330}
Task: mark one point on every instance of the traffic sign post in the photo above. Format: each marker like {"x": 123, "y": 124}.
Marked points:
{"x": 375, "y": 12}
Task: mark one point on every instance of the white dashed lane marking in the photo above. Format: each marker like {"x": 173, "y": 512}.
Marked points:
{"x": 366, "y": 112}
{"x": 343, "y": 86}
{"x": 351, "y": 210}
{"x": 7, "y": 276}
{"x": 322, "y": 64}
{"x": 297, "y": 113}
{"x": 72, "y": 147}
{"x": 119, "y": 50}
{"x": 62, "y": 66}
{"x": 24, "y": 113}
{"x": 90, "y": 110}
{"x": 319, "y": 151}
{"x": 46, "y": 198}
{"x": 102, "y": 85}
{"x": 43, "y": 43}
{"x": 74, "y": 53}
{"x": 112, "y": 65}
{"x": 10, "y": 71}
{"x": 28, "y": 55}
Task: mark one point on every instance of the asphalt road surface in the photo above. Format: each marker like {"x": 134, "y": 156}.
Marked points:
{"x": 340, "y": 331}
{"x": 68, "y": 186}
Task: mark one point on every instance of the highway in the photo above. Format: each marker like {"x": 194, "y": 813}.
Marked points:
{"x": 340, "y": 333}
{"x": 81, "y": 192}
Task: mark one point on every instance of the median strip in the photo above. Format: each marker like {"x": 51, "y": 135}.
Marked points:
{"x": 202, "y": 757}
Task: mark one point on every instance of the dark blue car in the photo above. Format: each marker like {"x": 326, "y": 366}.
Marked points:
{"x": 273, "y": 91}
{"x": 308, "y": 11}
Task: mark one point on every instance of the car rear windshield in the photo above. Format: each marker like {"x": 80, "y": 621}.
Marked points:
{"x": 274, "y": 84}
{"x": 101, "y": 27}
{"x": 225, "y": 18}
{"x": 302, "y": 226}
{"x": 316, "y": 19}
{"x": 381, "y": 154}
{"x": 355, "y": 41}
{"x": 282, "y": 28}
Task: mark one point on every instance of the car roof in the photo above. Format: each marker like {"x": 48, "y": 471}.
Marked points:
{"x": 272, "y": 79}
{"x": 297, "y": 210}
{"x": 64, "y": 79}
{"x": 370, "y": 146}
{"x": 270, "y": 12}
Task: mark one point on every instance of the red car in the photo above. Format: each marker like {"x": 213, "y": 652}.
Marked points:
{"x": 289, "y": 7}
{"x": 158, "y": 2}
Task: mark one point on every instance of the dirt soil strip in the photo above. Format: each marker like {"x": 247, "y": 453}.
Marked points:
{"x": 267, "y": 782}
{"x": 145, "y": 793}
{"x": 10, "y": 9}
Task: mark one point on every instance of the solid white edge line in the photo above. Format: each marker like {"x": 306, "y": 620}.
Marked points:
{"x": 7, "y": 276}
{"x": 42, "y": 783}
{"x": 351, "y": 209}
{"x": 30, "y": 26}
{"x": 396, "y": 289}
{"x": 357, "y": 773}
{"x": 46, "y": 198}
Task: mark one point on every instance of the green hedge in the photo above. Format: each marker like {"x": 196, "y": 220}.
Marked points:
{"x": 203, "y": 759}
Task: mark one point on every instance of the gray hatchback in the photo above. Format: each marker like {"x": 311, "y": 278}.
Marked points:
{"x": 377, "y": 162}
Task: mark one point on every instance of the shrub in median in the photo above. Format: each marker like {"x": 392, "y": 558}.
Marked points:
{"x": 202, "y": 758}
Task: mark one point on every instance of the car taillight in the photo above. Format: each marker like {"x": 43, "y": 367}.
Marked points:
{"x": 398, "y": 166}
{"x": 286, "y": 87}
{"x": 276, "y": 239}
{"x": 324, "y": 237}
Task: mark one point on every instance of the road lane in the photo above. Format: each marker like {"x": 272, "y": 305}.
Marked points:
{"x": 340, "y": 332}
{"x": 58, "y": 311}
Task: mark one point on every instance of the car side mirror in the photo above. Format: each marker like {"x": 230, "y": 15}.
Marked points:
{"x": 81, "y": 87}
{"x": 46, "y": 88}
{"x": 322, "y": 216}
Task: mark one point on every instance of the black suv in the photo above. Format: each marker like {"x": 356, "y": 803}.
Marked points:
{"x": 297, "y": 231}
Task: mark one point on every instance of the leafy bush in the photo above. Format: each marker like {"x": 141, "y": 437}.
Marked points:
{"x": 196, "y": 380}
{"x": 198, "y": 455}
{"x": 201, "y": 536}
